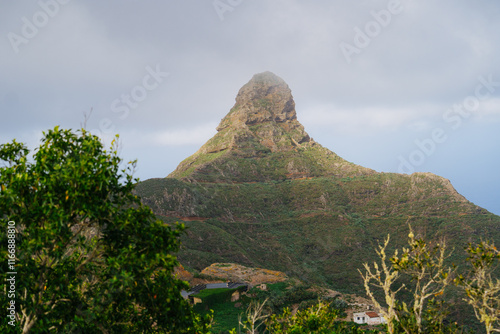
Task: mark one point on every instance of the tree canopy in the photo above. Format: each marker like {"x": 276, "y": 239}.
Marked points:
{"x": 89, "y": 256}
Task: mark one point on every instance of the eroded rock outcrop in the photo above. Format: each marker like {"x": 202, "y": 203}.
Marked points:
{"x": 261, "y": 139}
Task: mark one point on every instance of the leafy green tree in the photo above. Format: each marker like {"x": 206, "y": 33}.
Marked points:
{"x": 90, "y": 258}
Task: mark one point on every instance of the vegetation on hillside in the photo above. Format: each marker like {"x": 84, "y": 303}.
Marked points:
{"x": 413, "y": 283}
{"x": 320, "y": 229}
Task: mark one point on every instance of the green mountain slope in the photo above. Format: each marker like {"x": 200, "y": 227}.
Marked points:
{"x": 320, "y": 229}
{"x": 262, "y": 193}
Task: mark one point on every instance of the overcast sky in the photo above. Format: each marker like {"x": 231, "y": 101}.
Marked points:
{"x": 396, "y": 86}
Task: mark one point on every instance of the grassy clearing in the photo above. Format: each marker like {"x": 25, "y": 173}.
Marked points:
{"x": 225, "y": 312}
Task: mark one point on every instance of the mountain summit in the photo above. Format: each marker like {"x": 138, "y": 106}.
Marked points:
{"x": 267, "y": 101}
{"x": 261, "y": 139}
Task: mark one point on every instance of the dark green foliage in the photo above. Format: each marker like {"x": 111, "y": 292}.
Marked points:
{"x": 280, "y": 296}
{"x": 90, "y": 257}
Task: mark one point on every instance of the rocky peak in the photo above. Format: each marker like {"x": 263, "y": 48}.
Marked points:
{"x": 261, "y": 139}
{"x": 265, "y": 110}
{"x": 266, "y": 97}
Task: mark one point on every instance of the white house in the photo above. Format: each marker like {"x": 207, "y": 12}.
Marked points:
{"x": 368, "y": 317}
{"x": 359, "y": 317}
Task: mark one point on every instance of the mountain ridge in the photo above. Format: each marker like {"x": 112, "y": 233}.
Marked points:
{"x": 264, "y": 121}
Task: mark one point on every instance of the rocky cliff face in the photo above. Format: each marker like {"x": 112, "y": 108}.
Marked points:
{"x": 261, "y": 139}
{"x": 266, "y": 101}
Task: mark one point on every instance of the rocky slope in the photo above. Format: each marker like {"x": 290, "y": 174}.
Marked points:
{"x": 237, "y": 273}
{"x": 230, "y": 272}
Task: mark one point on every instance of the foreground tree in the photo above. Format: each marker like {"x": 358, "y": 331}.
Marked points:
{"x": 427, "y": 276}
{"x": 89, "y": 257}
{"x": 253, "y": 318}
{"x": 483, "y": 290}
{"x": 383, "y": 277}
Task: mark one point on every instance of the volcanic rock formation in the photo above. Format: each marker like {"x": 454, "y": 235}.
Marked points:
{"x": 261, "y": 139}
